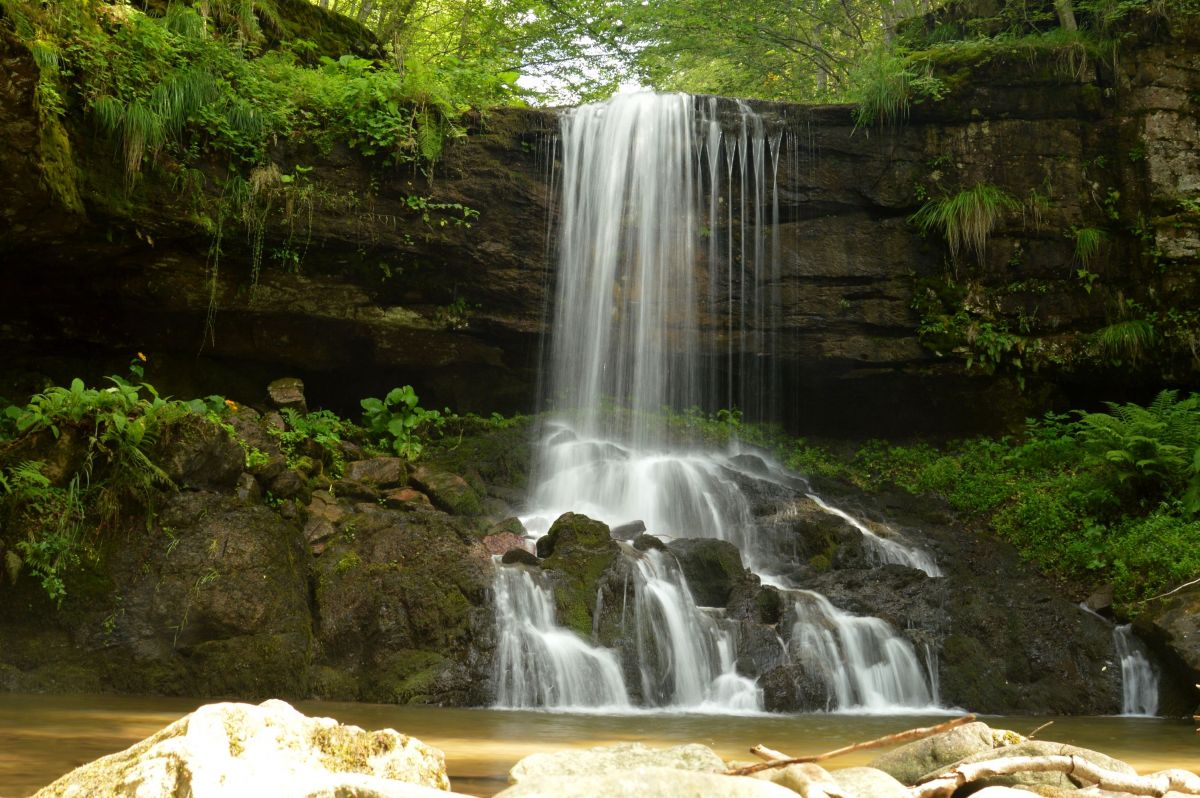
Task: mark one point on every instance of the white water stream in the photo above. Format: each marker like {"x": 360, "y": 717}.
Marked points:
{"x": 648, "y": 315}
{"x": 1139, "y": 682}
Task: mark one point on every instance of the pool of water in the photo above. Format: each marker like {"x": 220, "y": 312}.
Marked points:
{"x": 42, "y": 737}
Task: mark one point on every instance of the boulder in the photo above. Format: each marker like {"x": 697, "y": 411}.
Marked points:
{"x": 406, "y": 499}
{"x": 628, "y": 531}
{"x": 712, "y": 568}
{"x": 503, "y": 542}
{"x": 649, "y": 782}
{"x": 382, "y": 472}
{"x": 288, "y": 392}
{"x": 649, "y": 542}
{"x": 909, "y": 763}
{"x": 576, "y": 553}
{"x": 199, "y": 454}
{"x": 519, "y": 556}
{"x": 269, "y": 749}
{"x": 1033, "y": 748}
{"x": 807, "y": 779}
{"x": 448, "y": 492}
{"x": 615, "y": 759}
{"x": 869, "y": 783}
{"x": 1171, "y": 626}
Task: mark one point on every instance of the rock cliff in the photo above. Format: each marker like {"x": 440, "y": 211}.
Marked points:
{"x": 374, "y": 276}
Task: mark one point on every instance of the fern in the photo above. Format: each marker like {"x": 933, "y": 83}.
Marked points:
{"x": 966, "y": 218}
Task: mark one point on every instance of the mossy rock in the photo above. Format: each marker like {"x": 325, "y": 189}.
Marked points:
{"x": 579, "y": 552}
{"x": 711, "y": 567}
{"x": 409, "y": 676}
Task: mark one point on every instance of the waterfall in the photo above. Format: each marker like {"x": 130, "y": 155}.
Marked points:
{"x": 1139, "y": 682}
{"x": 885, "y": 551}
{"x": 667, "y": 298}
{"x": 863, "y": 662}
{"x": 685, "y": 657}
{"x": 538, "y": 663}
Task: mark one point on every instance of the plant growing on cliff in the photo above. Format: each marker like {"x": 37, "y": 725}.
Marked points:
{"x": 966, "y": 218}
{"x": 398, "y": 422}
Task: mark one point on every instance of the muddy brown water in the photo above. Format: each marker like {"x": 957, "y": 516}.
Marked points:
{"x": 43, "y": 737}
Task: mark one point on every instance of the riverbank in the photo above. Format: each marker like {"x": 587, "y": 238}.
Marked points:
{"x": 43, "y": 737}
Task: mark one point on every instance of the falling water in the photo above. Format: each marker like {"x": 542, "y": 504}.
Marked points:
{"x": 1139, "y": 682}
{"x": 885, "y": 551}
{"x": 685, "y": 657}
{"x": 648, "y": 318}
{"x": 540, "y": 664}
{"x": 863, "y": 662}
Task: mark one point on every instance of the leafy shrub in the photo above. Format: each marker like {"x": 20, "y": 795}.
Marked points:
{"x": 398, "y": 422}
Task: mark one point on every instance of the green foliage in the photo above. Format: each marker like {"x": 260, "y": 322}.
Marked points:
{"x": 966, "y": 218}
{"x": 314, "y": 437}
{"x": 1094, "y": 497}
{"x": 398, "y": 422}
{"x": 1088, "y": 242}
{"x": 1126, "y": 342}
{"x": 885, "y": 83}
{"x": 107, "y": 436}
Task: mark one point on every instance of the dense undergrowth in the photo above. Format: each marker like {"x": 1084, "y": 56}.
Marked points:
{"x": 78, "y": 462}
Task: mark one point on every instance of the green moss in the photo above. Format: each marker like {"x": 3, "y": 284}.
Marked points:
{"x": 58, "y": 165}
{"x": 582, "y": 551}
{"x": 409, "y": 676}
{"x": 346, "y": 750}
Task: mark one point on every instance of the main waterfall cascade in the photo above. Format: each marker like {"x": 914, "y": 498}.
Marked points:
{"x": 667, "y": 296}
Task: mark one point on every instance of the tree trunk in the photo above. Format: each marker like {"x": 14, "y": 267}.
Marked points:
{"x": 1066, "y": 14}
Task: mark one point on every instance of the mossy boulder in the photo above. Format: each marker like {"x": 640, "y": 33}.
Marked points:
{"x": 577, "y": 551}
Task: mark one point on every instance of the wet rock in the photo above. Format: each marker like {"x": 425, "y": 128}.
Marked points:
{"x": 750, "y": 601}
{"x": 503, "y": 543}
{"x": 909, "y": 763}
{"x": 869, "y": 783}
{"x": 406, "y": 499}
{"x": 382, "y": 472}
{"x": 1171, "y": 626}
{"x": 576, "y": 553}
{"x": 200, "y": 454}
{"x": 712, "y": 568}
{"x": 649, "y": 543}
{"x": 508, "y": 526}
{"x": 646, "y": 783}
{"x": 248, "y": 489}
{"x": 628, "y": 531}
{"x": 448, "y": 492}
{"x": 790, "y": 688}
{"x": 1101, "y": 600}
{"x": 401, "y": 599}
{"x": 620, "y": 758}
{"x": 287, "y": 392}
{"x": 519, "y": 556}
{"x": 269, "y": 749}
{"x": 353, "y": 490}
{"x": 290, "y": 484}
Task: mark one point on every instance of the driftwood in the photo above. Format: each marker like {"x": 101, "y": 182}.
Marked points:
{"x": 1156, "y": 784}
{"x": 778, "y": 760}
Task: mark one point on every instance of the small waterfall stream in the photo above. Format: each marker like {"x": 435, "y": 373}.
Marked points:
{"x": 1138, "y": 680}
{"x": 648, "y": 316}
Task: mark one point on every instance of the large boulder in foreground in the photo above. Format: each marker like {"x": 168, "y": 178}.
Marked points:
{"x": 620, "y": 758}
{"x": 908, "y": 763}
{"x": 647, "y": 783}
{"x": 270, "y": 749}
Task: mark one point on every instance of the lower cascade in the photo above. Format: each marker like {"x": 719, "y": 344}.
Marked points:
{"x": 1138, "y": 679}
{"x": 863, "y": 662}
{"x": 685, "y": 657}
{"x": 540, "y": 664}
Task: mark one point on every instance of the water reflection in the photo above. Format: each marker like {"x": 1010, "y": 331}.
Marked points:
{"x": 42, "y": 737}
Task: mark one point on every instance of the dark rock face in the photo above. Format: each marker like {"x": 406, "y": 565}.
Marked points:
{"x": 221, "y": 594}
{"x": 1090, "y": 144}
{"x": 1171, "y": 626}
{"x": 711, "y": 567}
